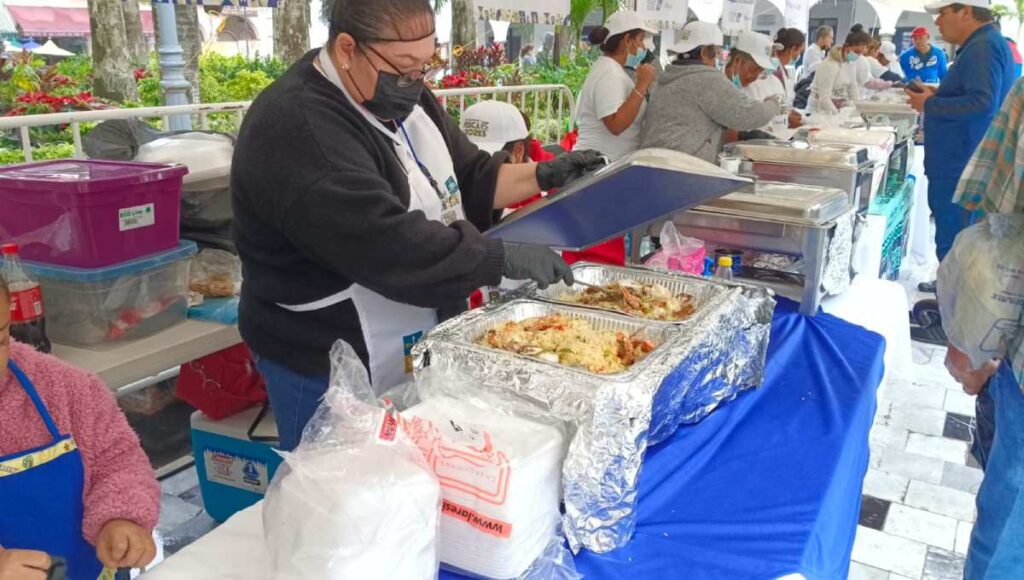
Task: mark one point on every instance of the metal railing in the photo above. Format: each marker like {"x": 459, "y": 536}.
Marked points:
{"x": 552, "y": 104}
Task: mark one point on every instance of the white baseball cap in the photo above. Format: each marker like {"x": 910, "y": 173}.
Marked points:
{"x": 696, "y": 34}
{"x": 936, "y": 7}
{"x": 758, "y": 46}
{"x": 888, "y": 49}
{"x": 625, "y": 20}
{"x": 491, "y": 125}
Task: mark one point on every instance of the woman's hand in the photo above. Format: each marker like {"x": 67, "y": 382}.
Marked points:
{"x": 644, "y": 77}
{"x": 23, "y": 565}
{"x": 795, "y": 120}
{"x": 123, "y": 544}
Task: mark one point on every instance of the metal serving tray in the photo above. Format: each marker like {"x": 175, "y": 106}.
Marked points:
{"x": 704, "y": 293}
{"x": 802, "y": 204}
{"x": 641, "y": 188}
{"x": 468, "y": 335}
{"x": 784, "y": 152}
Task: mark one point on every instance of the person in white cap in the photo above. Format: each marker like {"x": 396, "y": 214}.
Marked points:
{"x": 789, "y": 45}
{"x": 611, "y": 105}
{"x": 693, "y": 104}
{"x": 840, "y": 77}
{"x": 888, "y": 58}
{"x": 495, "y": 126}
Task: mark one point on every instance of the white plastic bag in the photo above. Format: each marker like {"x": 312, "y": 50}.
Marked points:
{"x": 981, "y": 288}
{"x": 355, "y": 499}
{"x": 499, "y": 461}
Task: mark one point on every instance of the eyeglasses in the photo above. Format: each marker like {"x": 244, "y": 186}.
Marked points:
{"x": 409, "y": 78}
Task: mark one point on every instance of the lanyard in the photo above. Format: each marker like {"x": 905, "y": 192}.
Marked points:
{"x": 423, "y": 168}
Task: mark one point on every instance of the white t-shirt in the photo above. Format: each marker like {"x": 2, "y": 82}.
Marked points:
{"x": 761, "y": 89}
{"x": 812, "y": 58}
{"x": 606, "y": 88}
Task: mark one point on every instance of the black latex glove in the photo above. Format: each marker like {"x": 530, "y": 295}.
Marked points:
{"x": 537, "y": 263}
{"x": 568, "y": 167}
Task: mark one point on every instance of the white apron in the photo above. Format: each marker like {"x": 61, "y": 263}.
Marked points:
{"x": 390, "y": 328}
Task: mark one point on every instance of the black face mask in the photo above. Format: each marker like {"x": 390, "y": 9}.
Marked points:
{"x": 390, "y": 101}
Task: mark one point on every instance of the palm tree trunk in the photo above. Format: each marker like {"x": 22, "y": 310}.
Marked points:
{"x": 138, "y": 49}
{"x": 463, "y": 24}
{"x": 291, "y": 30}
{"x": 112, "y": 64}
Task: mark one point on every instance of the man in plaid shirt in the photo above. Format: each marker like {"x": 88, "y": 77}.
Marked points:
{"x": 993, "y": 182}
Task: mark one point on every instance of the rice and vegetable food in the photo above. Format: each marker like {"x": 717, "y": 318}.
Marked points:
{"x": 651, "y": 301}
{"x": 571, "y": 342}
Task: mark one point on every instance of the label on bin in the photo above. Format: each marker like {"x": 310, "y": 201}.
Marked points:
{"x": 236, "y": 471}
{"x": 140, "y": 216}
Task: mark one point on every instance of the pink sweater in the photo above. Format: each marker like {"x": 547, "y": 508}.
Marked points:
{"x": 119, "y": 482}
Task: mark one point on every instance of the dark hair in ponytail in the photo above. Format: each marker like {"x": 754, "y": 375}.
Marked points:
{"x": 608, "y": 44}
{"x": 380, "y": 20}
{"x": 857, "y": 37}
{"x": 790, "y": 37}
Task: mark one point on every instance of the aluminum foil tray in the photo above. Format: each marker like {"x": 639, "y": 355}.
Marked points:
{"x": 697, "y": 367}
{"x": 702, "y": 292}
{"x": 469, "y": 333}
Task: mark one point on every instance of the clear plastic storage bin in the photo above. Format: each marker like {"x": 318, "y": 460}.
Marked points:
{"x": 86, "y": 307}
{"x": 85, "y": 213}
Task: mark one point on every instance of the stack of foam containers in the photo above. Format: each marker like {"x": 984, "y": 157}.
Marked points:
{"x": 500, "y": 480}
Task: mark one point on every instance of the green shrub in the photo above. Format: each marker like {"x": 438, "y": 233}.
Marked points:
{"x": 10, "y": 156}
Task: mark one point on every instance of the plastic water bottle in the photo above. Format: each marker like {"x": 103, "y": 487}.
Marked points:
{"x": 724, "y": 271}
{"x": 28, "y": 322}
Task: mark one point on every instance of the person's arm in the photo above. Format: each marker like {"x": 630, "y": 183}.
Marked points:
{"x": 729, "y": 107}
{"x": 119, "y": 482}
{"x": 825, "y": 80}
{"x": 350, "y": 222}
{"x": 981, "y": 82}
{"x": 943, "y": 63}
{"x": 618, "y": 114}
{"x": 908, "y": 72}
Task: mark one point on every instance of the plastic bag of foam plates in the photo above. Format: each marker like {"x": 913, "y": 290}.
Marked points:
{"x": 499, "y": 461}
{"x": 981, "y": 289}
{"x": 355, "y": 499}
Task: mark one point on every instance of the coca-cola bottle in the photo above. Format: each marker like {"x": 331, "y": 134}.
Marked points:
{"x": 28, "y": 321}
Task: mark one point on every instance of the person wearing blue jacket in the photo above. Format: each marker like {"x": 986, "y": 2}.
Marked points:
{"x": 957, "y": 114}
{"x": 923, "y": 61}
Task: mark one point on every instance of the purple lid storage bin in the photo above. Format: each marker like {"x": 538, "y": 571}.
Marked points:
{"x": 90, "y": 213}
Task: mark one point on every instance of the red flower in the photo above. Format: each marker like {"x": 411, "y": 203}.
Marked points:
{"x": 140, "y": 73}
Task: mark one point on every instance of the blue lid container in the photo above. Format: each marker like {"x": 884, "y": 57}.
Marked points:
{"x": 186, "y": 249}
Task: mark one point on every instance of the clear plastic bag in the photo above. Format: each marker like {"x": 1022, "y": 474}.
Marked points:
{"x": 981, "y": 288}
{"x": 499, "y": 460}
{"x": 678, "y": 253}
{"x": 356, "y": 498}
{"x": 215, "y": 274}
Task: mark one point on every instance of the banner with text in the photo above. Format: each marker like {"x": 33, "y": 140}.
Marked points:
{"x": 551, "y": 12}
{"x": 663, "y": 14}
{"x": 737, "y": 17}
{"x": 798, "y": 12}
{"x": 213, "y": 3}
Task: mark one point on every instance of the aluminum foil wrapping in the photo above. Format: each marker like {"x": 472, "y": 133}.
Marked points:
{"x": 696, "y": 367}
{"x": 838, "y": 274}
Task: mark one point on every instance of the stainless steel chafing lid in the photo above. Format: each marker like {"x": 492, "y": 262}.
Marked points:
{"x": 785, "y": 201}
{"x": 783, "y": 152}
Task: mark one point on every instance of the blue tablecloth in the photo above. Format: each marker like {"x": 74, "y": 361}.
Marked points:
{"x": 769, "y": 484}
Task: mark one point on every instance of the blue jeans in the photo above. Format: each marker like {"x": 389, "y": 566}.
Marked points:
{"x": 950, "y": 218}
{"x": 984, "y": 430}
{"x": 293, "y": 397}
{"x": 997, "y": 543}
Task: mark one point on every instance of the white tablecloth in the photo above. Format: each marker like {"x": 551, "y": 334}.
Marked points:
{"x": 879, "y": 306}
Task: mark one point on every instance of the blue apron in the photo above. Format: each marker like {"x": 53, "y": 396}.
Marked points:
{"x": 41, "y": 497}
